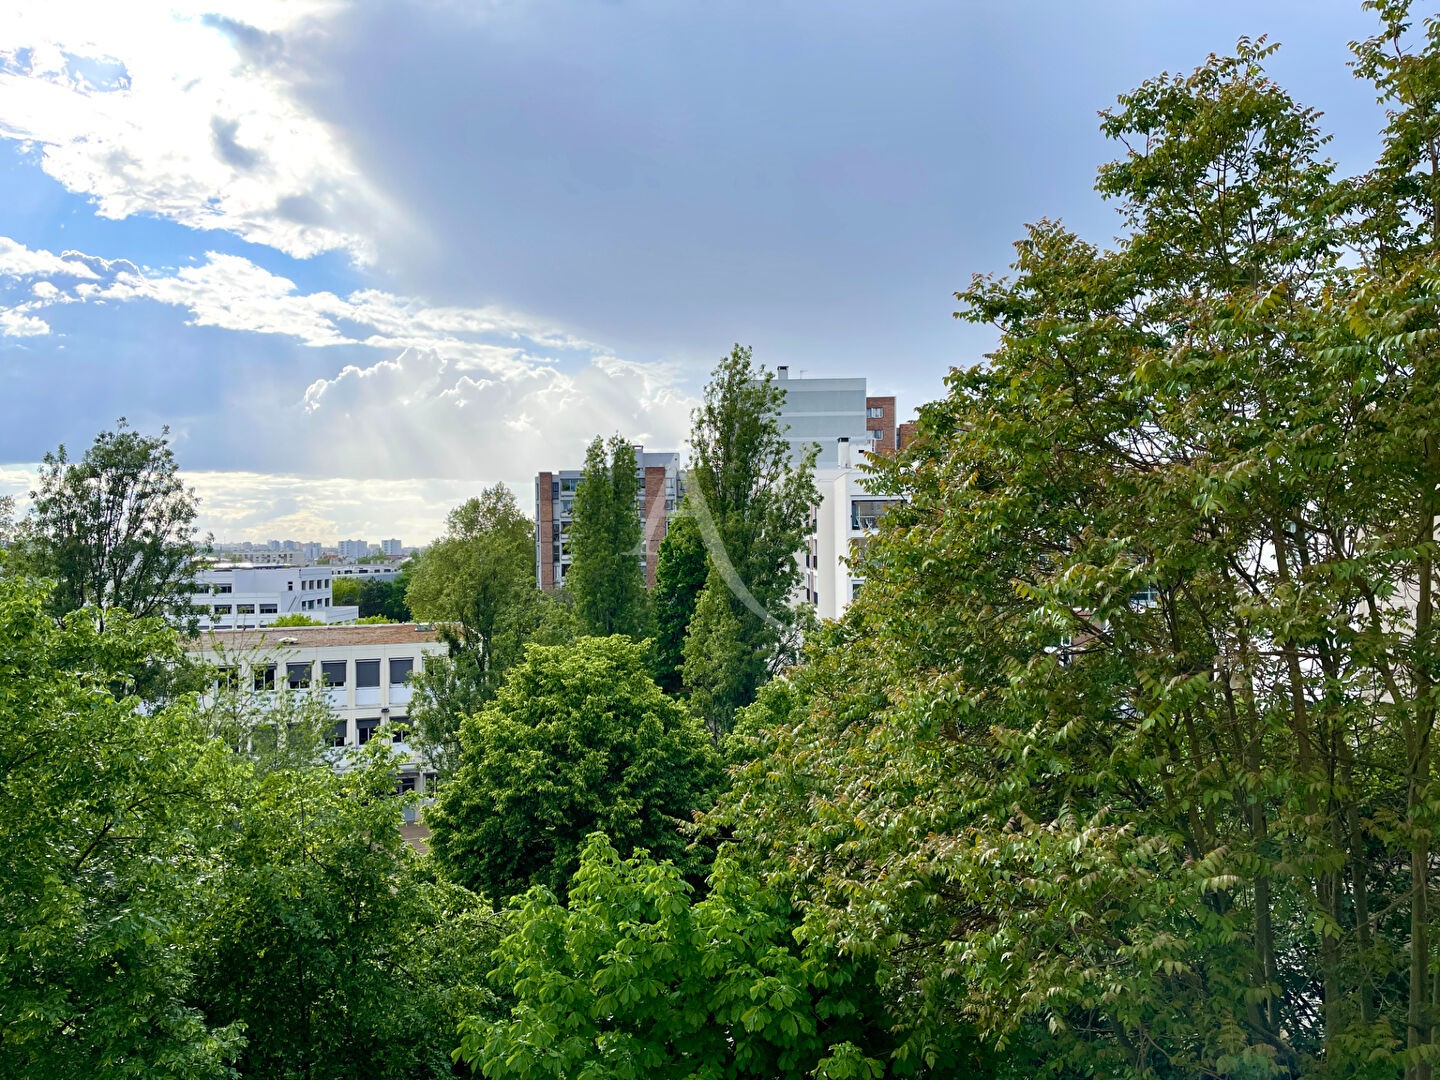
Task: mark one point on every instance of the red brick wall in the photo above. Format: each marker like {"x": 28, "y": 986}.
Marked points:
{"x": 544, "y": 522}
{"x": 654, "y": 519}
{"x": 884, "y": 424}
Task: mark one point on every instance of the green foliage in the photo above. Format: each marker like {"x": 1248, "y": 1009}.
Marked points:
{"x": 632, "y": 979}
{"x": 100, "y": 806}
{"x": 478, "y": 581}
{"x": 606, "y": 541}
{"x": 114, "y": 529}
{"x": 1123, "y": 754}
{"x": 345, "y": 591}
{"x": 295, "y": 618}
{"x": 323, "y": 941}
{"x": 753, "y": 508}
{"x": 579, "y": 738}
{"x": 679, "y": 576}
{"x": 385, "y": 599}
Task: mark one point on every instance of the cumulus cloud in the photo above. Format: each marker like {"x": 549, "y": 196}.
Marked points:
{"x": 423, "y": 414}
{"x": 16, "y": 260}
{"x": 158, "y": 109}
{"x": 18, "y": 323}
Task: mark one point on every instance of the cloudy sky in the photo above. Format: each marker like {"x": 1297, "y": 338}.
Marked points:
{"x": 365, "y": 257}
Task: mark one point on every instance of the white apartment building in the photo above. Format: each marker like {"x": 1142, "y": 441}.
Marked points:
{"x": 391, "y": 548}
{"x": 353, "y": 549}
{"x": 232, "y": 596}
{"x": 364, "y": 671}
{"x": 846, "y": 516}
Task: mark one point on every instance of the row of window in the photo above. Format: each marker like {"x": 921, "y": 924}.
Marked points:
{"x": 333, "y": 674}
{"x": 243, "y": 609}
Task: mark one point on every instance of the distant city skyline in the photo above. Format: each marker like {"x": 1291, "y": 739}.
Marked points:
{"x": 366, "y": 259}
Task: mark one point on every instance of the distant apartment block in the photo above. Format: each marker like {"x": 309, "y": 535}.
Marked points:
{"x": 311, "y": 550}
{"x": 661, "y": 489}
{"x": 391, "y": 548}
{"x": 354, "y": 549}
{"x": 245, "y": 596}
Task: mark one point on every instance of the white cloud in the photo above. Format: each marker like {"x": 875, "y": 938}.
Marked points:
{"x": 16, "y": 260}
{"x": 184, "y": 111}
{"x": 16, "y": 322}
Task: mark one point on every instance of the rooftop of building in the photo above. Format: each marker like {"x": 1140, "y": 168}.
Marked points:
{"x": 315, "y": 637}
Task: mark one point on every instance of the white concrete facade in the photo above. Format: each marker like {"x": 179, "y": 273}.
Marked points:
{"x": 846, "y": 516}
{"x": 821, "y": 411}
{"x": 232, "y": 596}
{"x": 364, "y": 672}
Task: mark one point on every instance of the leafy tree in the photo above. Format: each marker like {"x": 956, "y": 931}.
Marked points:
{"x": 100, "y": 805}
{"x": 1125, "y": 746}
{"x": 579, "y": 738}
{"x": 339, "y": 959}
{"x": 605, "y": 542}
{"x": 632, "y": 978}
{"x": 345, "y": 591}
{"x": 680, "y": 574}
{"x": 114, "y": 529}
{"x": 386, "y": 598}
{"x": 754, "y": 511}
{"x": 478, "y": 581}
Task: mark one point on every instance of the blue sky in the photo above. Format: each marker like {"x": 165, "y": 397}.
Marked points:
{"x": 364, "y": 258}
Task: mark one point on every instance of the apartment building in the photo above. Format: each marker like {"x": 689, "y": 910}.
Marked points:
{"x": 846, "y": 516}
{"x": 232, "y": 596}
{"x": 661, "y": 487}
{"x": 391, "y": 548}
{"x": 364, "y": 672}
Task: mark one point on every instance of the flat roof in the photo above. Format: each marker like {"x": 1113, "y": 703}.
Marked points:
{"x": 315, "y": 637}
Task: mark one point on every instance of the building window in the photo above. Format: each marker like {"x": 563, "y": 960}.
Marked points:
{"x": 337, "y": 733}
{"x": 364, "y": 729}
{"x": 263, "y": 677}
{"x": 244, "y": 609}
{"x": 401, "y": 668}
{"x": 405, "y": 784}
{"x": 876, "y": 434}
{"x": 399, "y": 728}
{"x": 227, "y": 678}
{"x": 332, "y": 673}
{"x": 297, "y": 676}
{"x": 220, "y": 609}
{"x": 289, "y": 586}
{"x": 222, "y": 588}
{"x": 367, "y": 673}
{"x": 269, "y": 609}
{"x": 875, "y": 412}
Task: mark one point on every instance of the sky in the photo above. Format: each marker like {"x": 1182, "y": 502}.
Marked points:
{"x": 365, "y": 258}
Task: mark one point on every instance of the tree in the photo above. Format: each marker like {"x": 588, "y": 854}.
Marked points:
{"x": 1127, "y": 739}
{"x": 680, "y": 574}
{"x": 579, "y": 738}
{"x": 754, "y": 512}
{"x": 322, "y": 938}
{"x": 633, "y": 978}
{"x": 114, "y": 529}
{"x": 345, "y": 591}
{"x": 605, "y": 543}
{"x": 295, "y": 618}
{"x": 478, "y": 581}
{"x": 101, "y": 803}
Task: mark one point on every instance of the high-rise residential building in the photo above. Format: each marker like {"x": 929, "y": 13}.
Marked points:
{"x": 842, "y": 523}
{"x": 391, "y": 548}
{"x": 311, "y": 550}
{"x": 354, "y": 549}
{"x": 661, "y": 487}
{"x": 824, "y": 411}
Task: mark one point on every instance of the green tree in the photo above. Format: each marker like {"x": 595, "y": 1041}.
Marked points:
{"x": 579, "y": 738}
{"x": 345, "y": 591}
{"x": 114, "y": 529}
{"x": 322, "y": 939}
{"x": 101, "y": 805}
{"x": 385, "y": 598}
{"x": 478, "y": 582}
{"x": 753, "y": 505}
{"x": 605, "y": 544}
{"x": 680, "y": 574}
{"x": 295, "y": 618}
{"x": 632, "y": 979}
{"x": 1125, "y": 746}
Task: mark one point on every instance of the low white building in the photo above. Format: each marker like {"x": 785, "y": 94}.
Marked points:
{"x": 842, "y": 523}
{"x": 232, "y": 596}
{"x": 365, "y": 571}
{"x": 364, "y": 672}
